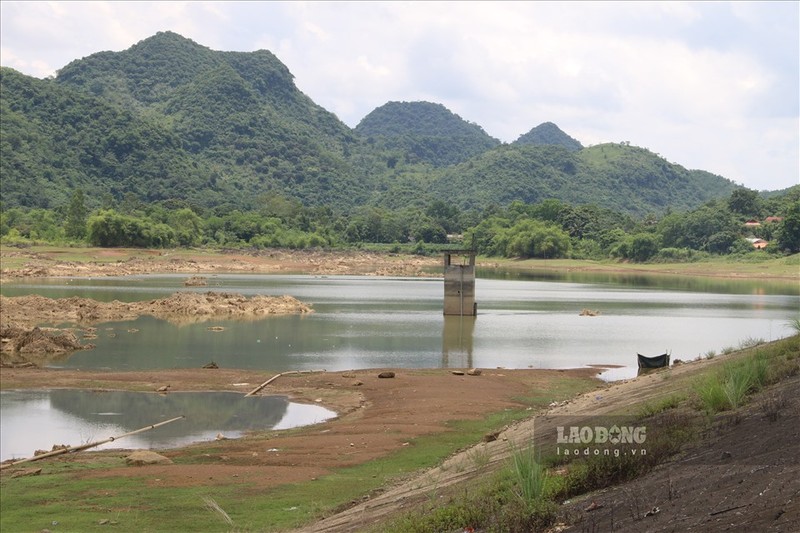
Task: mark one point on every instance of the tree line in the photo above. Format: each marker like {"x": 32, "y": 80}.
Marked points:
{"x": 547, "y": 229}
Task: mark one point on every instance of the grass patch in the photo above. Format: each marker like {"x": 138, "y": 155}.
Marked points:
{"x": 655, "y": 407}
{"x": 530, "y": 477}
{"x": 729, "y": 387}
{"x": 566, "y": 387}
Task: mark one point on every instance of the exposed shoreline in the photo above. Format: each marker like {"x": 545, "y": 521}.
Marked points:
{"x": 38, "y": 262}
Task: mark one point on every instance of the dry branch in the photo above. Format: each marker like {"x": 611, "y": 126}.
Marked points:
{"x": 71, "y": 449}
{"x": 276, "y": 376}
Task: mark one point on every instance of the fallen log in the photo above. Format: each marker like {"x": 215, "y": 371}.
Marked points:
{"x": 276, "y": 376}
{"x": 72, "y": 449}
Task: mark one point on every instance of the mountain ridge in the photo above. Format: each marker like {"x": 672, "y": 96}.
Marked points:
{"x": 239, "y": 130}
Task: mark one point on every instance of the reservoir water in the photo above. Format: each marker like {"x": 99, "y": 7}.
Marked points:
{"x": 38, "y": 419}
{"x": 524, "y": 321}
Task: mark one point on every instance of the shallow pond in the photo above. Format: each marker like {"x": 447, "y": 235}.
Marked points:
{"x": 36, "y": 420}
{"x": 523, "y": 321}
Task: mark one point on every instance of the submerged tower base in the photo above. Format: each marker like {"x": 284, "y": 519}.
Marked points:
{"x": 459, "y": 283}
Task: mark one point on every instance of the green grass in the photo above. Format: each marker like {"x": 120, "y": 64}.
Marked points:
{"x": 729, "y": 387}
{"x": 566, "y": 387}
{"x": 652, "y": 408}
{"x": 529, "y": 474}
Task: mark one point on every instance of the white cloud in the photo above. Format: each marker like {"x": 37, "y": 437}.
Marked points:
{"x": 709, "y": 85}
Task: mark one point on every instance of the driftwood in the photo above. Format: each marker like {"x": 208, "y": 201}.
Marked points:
{"x": 276, "y": 376}
{"x": 71, "y": 449}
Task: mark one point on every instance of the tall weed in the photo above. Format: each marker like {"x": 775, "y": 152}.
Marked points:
{"x": 529, "y": 476}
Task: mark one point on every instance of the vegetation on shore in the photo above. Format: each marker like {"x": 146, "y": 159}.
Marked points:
{"x": 546, "y": 230}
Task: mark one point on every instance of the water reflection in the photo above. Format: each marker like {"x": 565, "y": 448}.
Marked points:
{"x": 653, "y": 281}
{"x": 368, "y": 322}
{"x": 457, "y": 333}
{"x": 73, "y": 417}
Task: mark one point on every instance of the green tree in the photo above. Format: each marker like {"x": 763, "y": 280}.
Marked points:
{"x": 744, "y": 202}
{"x": 643, "y": 247}
{"x": 75, "y": 223}
{"x": 532, "y": 238}
{"x": 789, "y": 230}
{"x": 110, "y": 229}
{"x": 188, "y": 226}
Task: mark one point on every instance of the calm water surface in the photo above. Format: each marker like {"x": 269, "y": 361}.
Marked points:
{"x": 36, "y": 420}
{"x": 523, "y": 321}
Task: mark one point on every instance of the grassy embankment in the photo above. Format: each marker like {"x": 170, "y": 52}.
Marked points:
{"x": 526, "y": 494}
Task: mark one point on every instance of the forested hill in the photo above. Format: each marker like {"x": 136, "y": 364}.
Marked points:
{"x": 625, "y": 178}
{"x": 549, "y": 134}
{"x": 170, "y": 120}
{"x": 427, "y": 132}
{"x": 238, "y": 113}
{"x": 56, "y": 140}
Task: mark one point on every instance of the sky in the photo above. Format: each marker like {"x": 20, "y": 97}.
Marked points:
{"x": 707, "y": 85}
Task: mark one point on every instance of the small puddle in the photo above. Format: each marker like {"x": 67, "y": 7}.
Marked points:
{"x": 37, "y": 420}
{"x": 619, "y": 373}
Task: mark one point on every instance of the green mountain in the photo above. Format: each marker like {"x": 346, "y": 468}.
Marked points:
{"x": 56, "y": 139}
{"x": 620, "y": 177}
{"x": 548, "y": 133}
{"x": 169, "y": 119}
{"x": 425, "y": 132}
{"x": 239, "y": 114}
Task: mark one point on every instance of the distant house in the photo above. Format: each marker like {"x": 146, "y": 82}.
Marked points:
{"x": 758, "y": 243}
{"x": 752, "y": 222}
{"x": 773, "y": 219}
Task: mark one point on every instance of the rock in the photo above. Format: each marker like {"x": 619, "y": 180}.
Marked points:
{"x": 386, "y": 375}
{"x": 145, "y": 457}
{"x": 348, "y": 375}
{"x": 196, "y": 281}
{"x": 165, "y": 388}
{"x": 27, "y": 472}
{"x": 457, "y": 372}
{"x": 212, "y": 365}
{"x": 491, "y": 437}
{"x": 594, "y": 506}
{"x": 357, "y": 383}
{"x": 474, "y": 372}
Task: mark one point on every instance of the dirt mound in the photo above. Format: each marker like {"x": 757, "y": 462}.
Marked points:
{"x": 24, "y": 347}
{"x": 33, "y": 310}
{"x": 218, "y": 305}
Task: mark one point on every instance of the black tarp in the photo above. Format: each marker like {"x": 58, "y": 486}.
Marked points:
{"x": 658, "y": 361}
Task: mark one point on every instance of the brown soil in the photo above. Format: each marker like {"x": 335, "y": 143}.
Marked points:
{"x": 744, "y": 476}
{"x": 181, "y": 307}
{"x": 379, "y": 416}
{"x": 123, "y": 262}
{"x": 376, "y": 416}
